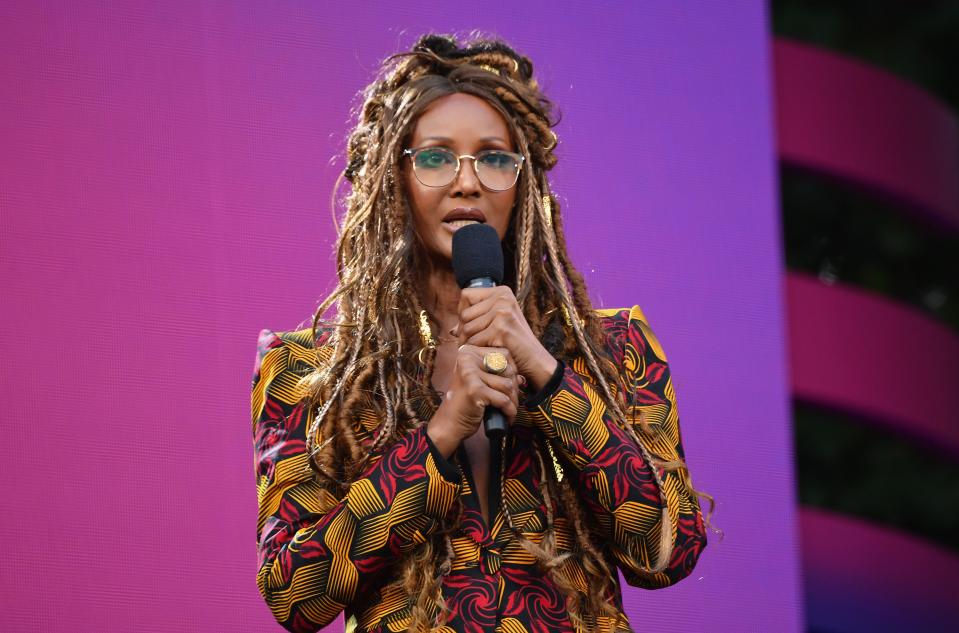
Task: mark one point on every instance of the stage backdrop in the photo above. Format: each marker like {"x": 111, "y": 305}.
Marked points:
{"x": 164, "y": 185}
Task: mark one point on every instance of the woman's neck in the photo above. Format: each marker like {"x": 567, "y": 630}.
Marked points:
{"x": 441, "y": 296}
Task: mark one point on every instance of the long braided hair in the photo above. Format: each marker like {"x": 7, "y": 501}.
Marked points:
{"x": 375, "y": 339}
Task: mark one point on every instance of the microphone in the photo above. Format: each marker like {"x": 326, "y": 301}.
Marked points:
{"x": 478, "y": 263}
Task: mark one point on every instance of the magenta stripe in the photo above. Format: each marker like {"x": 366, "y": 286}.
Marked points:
{"x": 864, "y": 577}
{"x": 858, "y": 352}
{"x": 857, "y": 123}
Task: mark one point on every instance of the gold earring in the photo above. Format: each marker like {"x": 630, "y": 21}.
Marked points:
{"x": 426, "y": 335}
{"x": 555, "y": 141}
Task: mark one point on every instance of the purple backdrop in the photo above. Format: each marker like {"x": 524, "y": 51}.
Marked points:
{"x": 164, "y": 182}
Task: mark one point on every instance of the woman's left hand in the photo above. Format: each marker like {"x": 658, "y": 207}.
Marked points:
{"x": 491, "y": 317}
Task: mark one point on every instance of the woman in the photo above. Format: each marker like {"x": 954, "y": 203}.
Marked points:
{"x": 379, "y": 493}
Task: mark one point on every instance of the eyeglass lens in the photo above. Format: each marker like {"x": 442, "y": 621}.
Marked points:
{"x": 436, "y": 167}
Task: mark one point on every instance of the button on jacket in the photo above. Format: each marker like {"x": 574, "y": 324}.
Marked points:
{"x": 320, "y": 554}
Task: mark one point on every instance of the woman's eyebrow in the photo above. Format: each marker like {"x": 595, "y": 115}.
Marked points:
{"x": 446, "y": 139}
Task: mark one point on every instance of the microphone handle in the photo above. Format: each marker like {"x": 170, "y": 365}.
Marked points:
{"x": 494, "y": 422}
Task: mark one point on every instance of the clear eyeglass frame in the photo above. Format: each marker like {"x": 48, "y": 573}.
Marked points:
{"x": 519, "y": 158}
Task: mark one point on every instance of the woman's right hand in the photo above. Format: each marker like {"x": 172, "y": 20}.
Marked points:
{"x": 471, "y": 390}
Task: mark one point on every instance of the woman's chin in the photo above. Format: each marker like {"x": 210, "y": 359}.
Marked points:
{"x": 444, "y": 245}
{"x": 441, "y": 249}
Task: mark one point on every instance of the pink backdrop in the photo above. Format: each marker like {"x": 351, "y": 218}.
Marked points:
{"x": 164, "y": 181}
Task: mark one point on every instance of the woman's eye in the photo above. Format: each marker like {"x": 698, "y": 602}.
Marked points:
{"x": 498, "y": 160}
{"x": 433, "y": 158}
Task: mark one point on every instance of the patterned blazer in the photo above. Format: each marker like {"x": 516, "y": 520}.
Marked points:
{"x": 320, "y": 555}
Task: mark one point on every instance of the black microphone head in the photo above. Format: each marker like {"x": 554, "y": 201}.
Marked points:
{"x": 477, "y": 252}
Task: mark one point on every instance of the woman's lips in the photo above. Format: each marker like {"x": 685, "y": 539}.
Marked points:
{"x": 461, "y": 213}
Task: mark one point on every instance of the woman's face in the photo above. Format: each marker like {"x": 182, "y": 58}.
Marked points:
{"x": 465, "y": 124}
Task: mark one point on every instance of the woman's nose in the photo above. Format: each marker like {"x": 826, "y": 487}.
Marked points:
{"x": 466, "y": 180}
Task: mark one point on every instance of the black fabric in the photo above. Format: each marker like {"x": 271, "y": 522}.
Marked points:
{"x": 449, "y": 471}
{"x": 549, "y": 388}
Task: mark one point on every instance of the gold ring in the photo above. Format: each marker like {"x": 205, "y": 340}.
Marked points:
{"x": 494, "y": 362}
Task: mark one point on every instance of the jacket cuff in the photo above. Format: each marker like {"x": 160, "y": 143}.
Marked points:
{"x": 447, "y": 469}
{"x": 549, "y": 388}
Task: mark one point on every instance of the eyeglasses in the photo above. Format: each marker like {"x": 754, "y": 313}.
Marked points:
{"x": 496, "y": 169}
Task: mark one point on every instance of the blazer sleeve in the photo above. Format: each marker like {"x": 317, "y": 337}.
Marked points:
{"x": 613, "y": 477}
{"x": 317, "y": 549}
